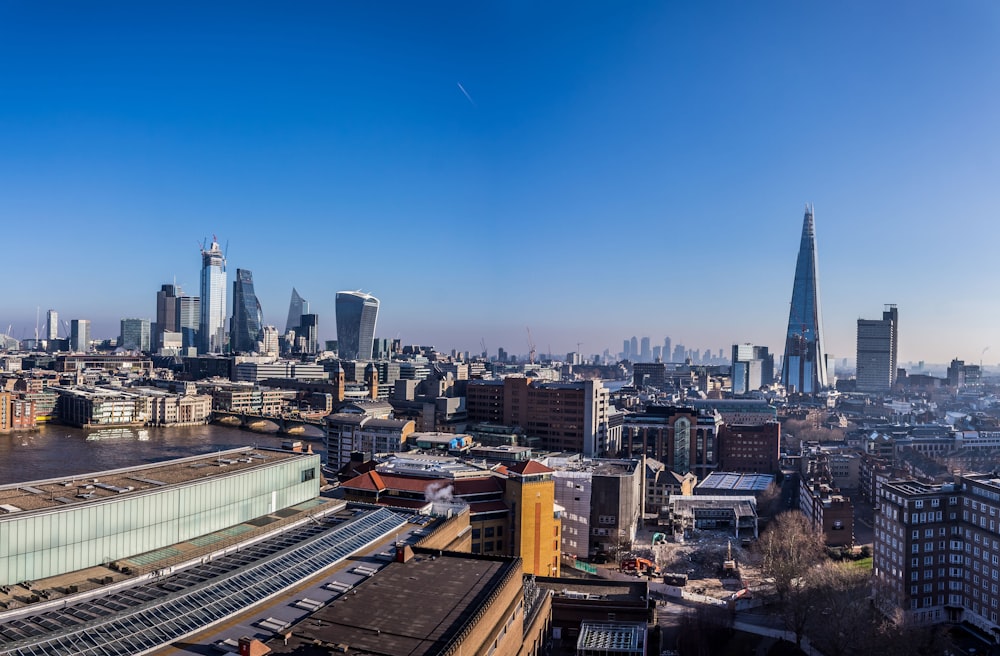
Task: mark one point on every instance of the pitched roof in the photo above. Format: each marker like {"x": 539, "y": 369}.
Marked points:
{"x": 370, "y": 481}
{"x": 529, "y": 467}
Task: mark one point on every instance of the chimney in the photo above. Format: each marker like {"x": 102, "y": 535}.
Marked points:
{"x": 404, "y": 553}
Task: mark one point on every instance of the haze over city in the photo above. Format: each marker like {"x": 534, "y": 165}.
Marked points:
{"x": 593, "y": 172}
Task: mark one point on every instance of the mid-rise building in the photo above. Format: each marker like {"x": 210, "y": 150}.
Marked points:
{"x": 349, "y": 433}
{"x": 51, "y": 325}
{"x": 604, "y": 501}
{"x": 188, "y": 320}
{"x": 135, "y": 335}
{"x": 307, "y": 335}
{"x": 803, "y": 369}
{"x": 555, "y": 416}
{"x": 212, "y": 324}
{"x": 167, "y": 314}
{"x": 357, "y": 314}
{"x": 878, "y": 345}
{"x": 752, "y": 368}
{"x": 682, "y": 438}
{"x": 79, "y": 335}
{"x": 750, "y": 448}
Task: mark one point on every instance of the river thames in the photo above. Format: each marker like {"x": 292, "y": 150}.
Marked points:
{"x": 54, "y": 451}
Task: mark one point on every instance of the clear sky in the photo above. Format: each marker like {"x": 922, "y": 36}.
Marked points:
{"x": 611, "y": 169}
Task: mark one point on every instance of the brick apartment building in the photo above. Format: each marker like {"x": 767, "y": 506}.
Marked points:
{"x": 937, "y": 551}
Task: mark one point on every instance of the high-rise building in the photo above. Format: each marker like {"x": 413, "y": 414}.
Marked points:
{"x": 878, "y": 342}
{"x": 644, "y": 353}
{"x": 212, "y": 325}
{"x": 680, "y": 353}
{"x": 188, "y": 319}
{"x": 51, "y": 325}
{"x": 308, "y": 333}
{"x": 166, "y": 313}
{"x": 356, "y": 316}
{"x": 245, "y": 333}
{"x": 134, "y": 335}
{"x": 752, "y": 368}
{"x": 79, "y": 335}
{"x": 803, "y": 369}
{"x": 296, "y": 308}
{"x": 626, "y": 350}
{"x": 666, "y": 348}
{"x": 633, "y": 349}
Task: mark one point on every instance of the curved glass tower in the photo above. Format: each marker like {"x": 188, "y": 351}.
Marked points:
{"x": 247, "y": 316}
{"x": 212, "y": 325}
{"x": 803, "y": 370}
{"x": 356, "y": 315}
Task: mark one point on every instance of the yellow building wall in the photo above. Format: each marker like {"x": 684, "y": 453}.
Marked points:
{"x": 537, "y": 532}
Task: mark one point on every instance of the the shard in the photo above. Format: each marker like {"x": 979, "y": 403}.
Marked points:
{"x": 803, "y": 370}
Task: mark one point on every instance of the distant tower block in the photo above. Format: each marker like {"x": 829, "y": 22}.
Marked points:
{"x": 803, "y": 370}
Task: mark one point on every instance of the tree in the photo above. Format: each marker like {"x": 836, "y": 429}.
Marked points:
{"x": 787, "y": 550}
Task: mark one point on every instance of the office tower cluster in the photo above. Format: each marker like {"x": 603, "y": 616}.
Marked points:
{"x": 641, "y": 350}
{"x": 200, "y": 323}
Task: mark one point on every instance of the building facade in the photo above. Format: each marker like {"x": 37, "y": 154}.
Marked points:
{"x": 76, "y": 523}
{"x": 212, "y": 323}
{"x": 357, "y": 314}
{"x": 557, "y": 416}
{"x": 878, "y": 346}
{"x": 245, "y": 334}
{"x": 79, "y": 335}
{"x": 135, "y": 335}
{"x": 803, "y": 369}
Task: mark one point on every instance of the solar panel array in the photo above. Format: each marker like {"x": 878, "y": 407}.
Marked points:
{"x": 141, "y": 619}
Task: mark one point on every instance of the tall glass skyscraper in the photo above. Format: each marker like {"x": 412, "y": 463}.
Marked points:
{"x": 296, "y": 308}
{"x": 212, "y": 327}
{"x": 356, "y": 316}
{"x": 803, "y": 370}
{"x": 247, "y": 316}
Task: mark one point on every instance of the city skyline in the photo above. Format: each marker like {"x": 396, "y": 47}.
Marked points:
{"x": 597, "y": 170}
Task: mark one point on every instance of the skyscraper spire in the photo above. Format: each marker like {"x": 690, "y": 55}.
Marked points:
{"x": 803, "y": 369}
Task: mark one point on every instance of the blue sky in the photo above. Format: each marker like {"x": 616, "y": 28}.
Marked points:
{"x": 620, "y": 170}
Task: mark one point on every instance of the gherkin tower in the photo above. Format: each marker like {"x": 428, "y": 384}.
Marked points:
{"x": 803, "y": 369}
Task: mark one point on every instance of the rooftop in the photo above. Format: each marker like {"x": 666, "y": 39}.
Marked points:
{"x": 393, "y": 614}
{"x": 18, "y": 498}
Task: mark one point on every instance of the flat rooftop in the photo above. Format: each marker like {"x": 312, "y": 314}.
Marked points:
{"x": 409, "y": 609}
{"x": 17, "y": 499}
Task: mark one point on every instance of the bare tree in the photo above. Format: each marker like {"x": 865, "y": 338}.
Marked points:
{"x": 787, "y": 550}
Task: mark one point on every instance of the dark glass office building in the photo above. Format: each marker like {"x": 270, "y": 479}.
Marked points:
{"x": 247, "y": 316}
{"x": 356, "y": 315}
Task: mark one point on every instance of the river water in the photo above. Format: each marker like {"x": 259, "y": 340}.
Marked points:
{"x": 54, "y": 451}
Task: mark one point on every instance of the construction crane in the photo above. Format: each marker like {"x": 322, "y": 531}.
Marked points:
{"x": 531, "y": 347}
{"x": 482, "y": 342}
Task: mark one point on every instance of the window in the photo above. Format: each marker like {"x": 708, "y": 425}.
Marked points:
{"x": 490, "y": 531}
{"x": 308, "y": 474}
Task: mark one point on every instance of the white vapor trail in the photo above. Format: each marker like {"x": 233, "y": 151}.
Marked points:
{"x": 466, "y": 93}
